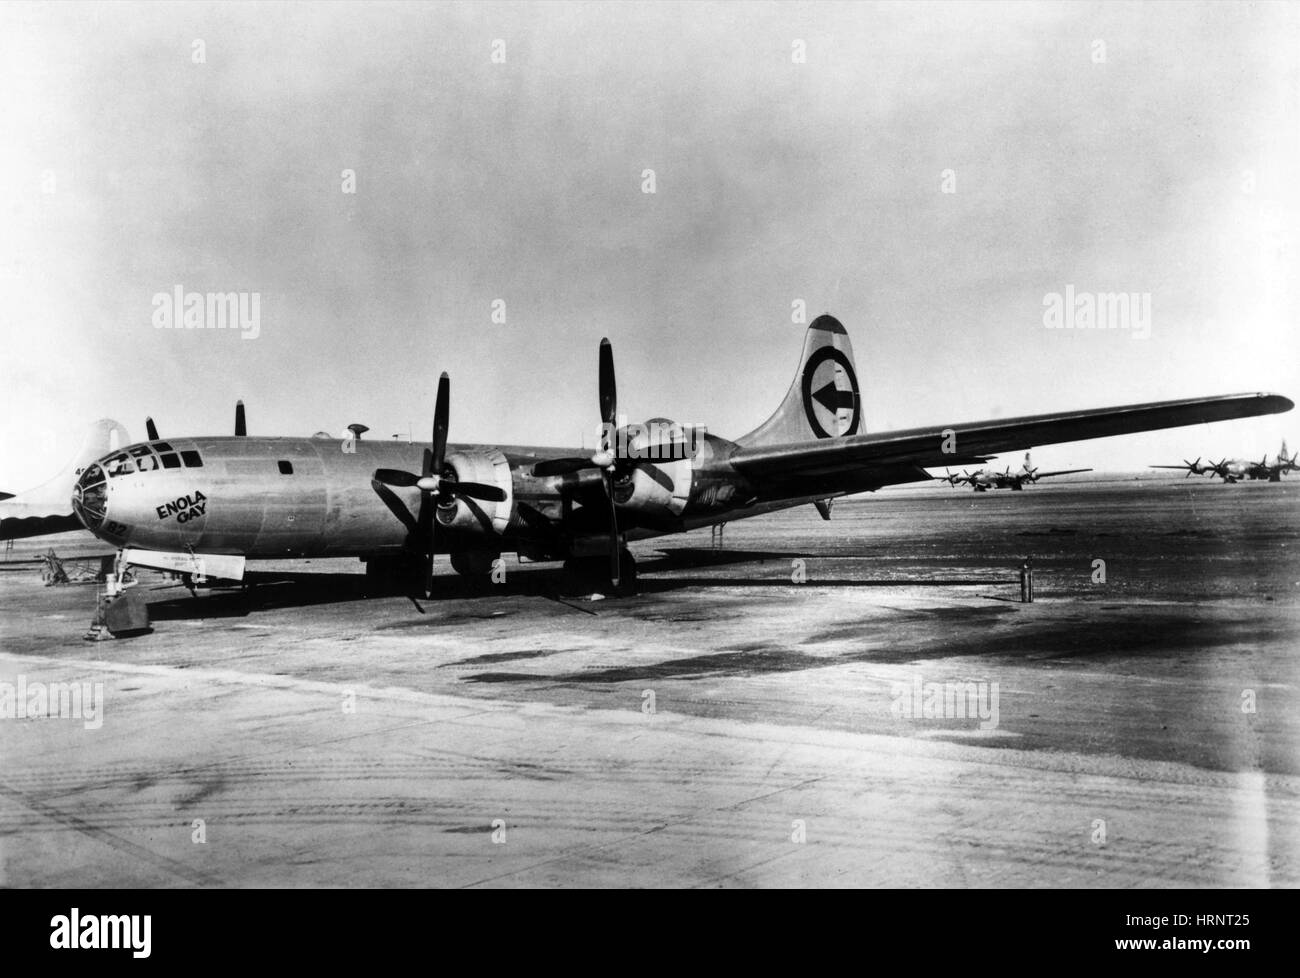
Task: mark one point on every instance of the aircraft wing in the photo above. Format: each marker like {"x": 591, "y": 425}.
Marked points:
{"x": 1048, "y": 475}
{"x": 899, "y": 456}
{"x": 18, "y": 522}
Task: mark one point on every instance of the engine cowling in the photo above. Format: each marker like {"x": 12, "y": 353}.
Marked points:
{"x": 656, "y": 475}
{"x": 485, "y": 465}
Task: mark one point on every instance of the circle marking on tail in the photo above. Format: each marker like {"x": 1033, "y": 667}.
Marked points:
{"x": 825, "y": 396}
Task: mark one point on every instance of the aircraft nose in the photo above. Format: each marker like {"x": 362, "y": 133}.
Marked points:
{"x": 90, "y": 497}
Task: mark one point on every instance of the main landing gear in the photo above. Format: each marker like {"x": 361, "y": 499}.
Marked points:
{"x": 389, "y": 576}
{"x": 405, "y": 574}
{"x": 588, "y": 575}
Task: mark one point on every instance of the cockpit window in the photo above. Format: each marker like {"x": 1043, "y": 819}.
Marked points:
{"x": 192, "y": 460}
{"x": 162, "y": 446}
{"x": 119, "y": 465}
{"x": 140, "y": 451}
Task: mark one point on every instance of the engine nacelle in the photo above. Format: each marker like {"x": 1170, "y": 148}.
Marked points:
{"x": 656, "y": 479}
{"x": 490, "y": 467}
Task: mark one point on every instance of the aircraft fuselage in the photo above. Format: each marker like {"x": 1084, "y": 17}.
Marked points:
{"x": 313, "y": 497}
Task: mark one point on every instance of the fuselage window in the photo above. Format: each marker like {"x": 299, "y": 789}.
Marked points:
{"x": 286, "y": 468}
{"x": 192, "y": 460}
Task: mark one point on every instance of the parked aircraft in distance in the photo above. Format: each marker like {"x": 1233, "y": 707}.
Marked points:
{"x": 982, "y": 480}
{"x": 1238, "y": 470}
{"x": 212, "y": 503}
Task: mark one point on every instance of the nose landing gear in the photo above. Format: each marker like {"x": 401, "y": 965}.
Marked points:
{"x": 121, "y": 610}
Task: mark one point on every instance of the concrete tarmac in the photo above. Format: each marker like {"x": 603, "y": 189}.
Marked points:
{"x": 863, "y": 702}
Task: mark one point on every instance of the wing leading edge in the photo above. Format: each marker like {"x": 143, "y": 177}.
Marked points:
{"x": 915, "y": 448}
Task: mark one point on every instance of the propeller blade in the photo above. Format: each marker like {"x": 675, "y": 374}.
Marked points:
{"x": 396, "y": 506}
{"x": 433, "y": 556}
{"x": 561, "y": 466}
{"x": 396, "y": 477}
{"x": 440, "y": 417}
{"x": 666, "y": 451}
{"x": 241, "y": 427}
{"x": 150, "y": 429}
{"x": 614, "y": 555}
{"x": 608, "y": 389}
{"x": 427, "y": 525}
{"x": 477, "y": 490}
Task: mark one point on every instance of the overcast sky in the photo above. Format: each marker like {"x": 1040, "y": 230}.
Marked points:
{"x": 1163, "y": 161}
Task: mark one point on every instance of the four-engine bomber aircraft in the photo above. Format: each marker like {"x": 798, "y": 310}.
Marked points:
{"x": 1237, "y": 470}
{"x": 982, "y": 480}
{"x": 218, "y": 501}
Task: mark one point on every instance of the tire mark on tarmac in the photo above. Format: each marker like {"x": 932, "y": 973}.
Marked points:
{"x": 586, "y": 850}
{"x": 195, "y": 876}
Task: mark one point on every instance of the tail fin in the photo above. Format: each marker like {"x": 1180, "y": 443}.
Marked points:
{"x": 824, "y": 400}
{"x": 103, "y": 436}
{"x": 48, "y": 507}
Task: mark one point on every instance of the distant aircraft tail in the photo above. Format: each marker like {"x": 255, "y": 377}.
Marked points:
{"x": 824, "y": 400}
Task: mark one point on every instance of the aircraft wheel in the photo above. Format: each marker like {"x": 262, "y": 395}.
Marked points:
{"x": 590, "y": 575}
{"x": 475, "y": 564}
{"x": 388, "y": 576}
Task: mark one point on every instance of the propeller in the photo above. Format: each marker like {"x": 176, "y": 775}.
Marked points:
{"x": 604, "y": 458}
{"x": 437, "y": 481}
{"x": 150, "y": 429}
{"x": 241, "y": 428}
{"x": 1193, "y": 468}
